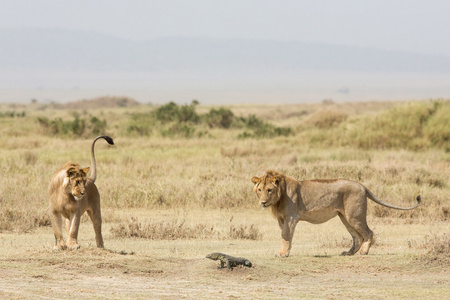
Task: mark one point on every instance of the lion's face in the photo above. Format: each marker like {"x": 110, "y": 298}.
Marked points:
{"x": 76, "y": 180}
{"x": 267, "y": 190}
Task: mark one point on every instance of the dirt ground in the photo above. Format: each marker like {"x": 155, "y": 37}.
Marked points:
{"x": 146, "y": 269}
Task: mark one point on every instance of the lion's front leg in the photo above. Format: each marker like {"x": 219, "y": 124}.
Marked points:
{"x": 56, "y": 220}
{"x": 287, "y": 233}
{"x": 72, "y": 235}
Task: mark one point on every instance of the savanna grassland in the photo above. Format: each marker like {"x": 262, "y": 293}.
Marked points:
{"x": 176, "y": 186}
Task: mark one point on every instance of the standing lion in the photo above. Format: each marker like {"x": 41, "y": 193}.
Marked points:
{"x": 71, "y": 194}
{"x": 317, "y": 201}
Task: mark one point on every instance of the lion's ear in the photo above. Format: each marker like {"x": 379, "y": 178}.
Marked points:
{"x": 85, "y": 170}
{"x": 275, "y": 180}
{"x": 70, "y": 172}
{"x": 256, "y": 180}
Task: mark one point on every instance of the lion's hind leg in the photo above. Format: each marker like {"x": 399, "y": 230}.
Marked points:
{"x": 364, "y": 232}
{"x": 96, "y": 218}
{"x": 368, "y": 239}
{"x": 356, "y": 236}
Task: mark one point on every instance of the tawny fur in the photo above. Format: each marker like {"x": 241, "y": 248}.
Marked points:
{"x": 317, "y": 201}
{"x": 70, "y": 195}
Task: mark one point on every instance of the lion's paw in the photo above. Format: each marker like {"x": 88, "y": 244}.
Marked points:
{"x": 282, "y": 254}
{"x": 74, "y": 246}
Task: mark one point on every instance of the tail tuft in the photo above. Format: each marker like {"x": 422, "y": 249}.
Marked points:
{"x": 108, "y": 139}
{"x": 419, "y": 199}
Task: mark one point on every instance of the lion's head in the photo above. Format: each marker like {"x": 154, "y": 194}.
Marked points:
{"x": 75, "y": 180}
{"x": 268, "y": 188}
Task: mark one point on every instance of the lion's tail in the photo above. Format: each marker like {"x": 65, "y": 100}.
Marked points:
{"x": 375, "y": 199}
{"x": 93, "y": 163}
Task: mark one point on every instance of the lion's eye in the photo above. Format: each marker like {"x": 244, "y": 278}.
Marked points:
{"x": 269, "y": 190}
{"x": 259, "y": 190}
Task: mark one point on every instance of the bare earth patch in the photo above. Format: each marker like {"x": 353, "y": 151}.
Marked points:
{"x": 143, "y": 269}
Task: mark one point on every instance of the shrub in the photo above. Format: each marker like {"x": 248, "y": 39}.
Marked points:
{"x": 12, "y": 114}
{"x": 172, "y": 112}
{"x": 140, "y": 124}
{"x": 261, "y": 129}
{"x": 78, "y": 127}
{"x": 97, "y": 126}
{"x": 187, "y": 113}
{"x": 253, "y": 122}
{"x": 222, "y": 118}
{"x": 269, "y": 131}
{"x": 180, "y": 121}
{"x": 178, "y": 130}
{"x": 167, "y": 112}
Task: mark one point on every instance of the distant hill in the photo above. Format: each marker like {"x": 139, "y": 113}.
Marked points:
{"x": 101, "y": 102}
{"x": 65, "y": 50}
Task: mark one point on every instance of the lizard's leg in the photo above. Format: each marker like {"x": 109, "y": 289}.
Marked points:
{"x": 228, "y": 264}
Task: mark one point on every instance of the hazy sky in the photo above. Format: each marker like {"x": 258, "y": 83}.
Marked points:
{"x": 408, "y": 25}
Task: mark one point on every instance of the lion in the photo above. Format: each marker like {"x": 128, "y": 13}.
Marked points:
{"x": 70, "y": 195}
{"x": 317, "y": 201}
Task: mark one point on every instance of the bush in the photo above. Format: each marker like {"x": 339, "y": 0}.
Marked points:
{"x": 97, "y": 126}
{"x": 179, "y": 121}
{"x": 222, "y": 118}
{"x": 187, "y": 113}
{"x": 270, "y": 131}
{"x": 261, "y": 129}
{"x": 79, "y": 127}
{"x": 140, "y": 124}
{"x": 178, "y": 130}
{"x": 12, "y": 114}
{"x": 172, "y": 112}
{"x": 253, "y": 122}
{"x": 167, "y": 112}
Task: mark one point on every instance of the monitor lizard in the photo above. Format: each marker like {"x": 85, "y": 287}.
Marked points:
{"x": 228, "y": 260}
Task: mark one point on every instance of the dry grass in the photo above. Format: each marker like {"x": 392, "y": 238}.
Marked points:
{"x": 173, "y": 230}
{"x": 171, "y": 200}
{"x": 164, "y": 230}
{"x": 214, "y": 171}
{"x": 437, "y": 247}
{"x": 326, "y": 118}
